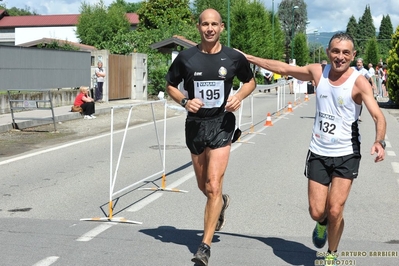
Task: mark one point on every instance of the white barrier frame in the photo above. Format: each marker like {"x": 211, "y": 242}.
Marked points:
{"x": 113, "y": 173}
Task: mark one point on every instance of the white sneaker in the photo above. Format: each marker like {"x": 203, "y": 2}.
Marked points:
{"x": 87, "y": 117}
{"x": 92, "y": 116}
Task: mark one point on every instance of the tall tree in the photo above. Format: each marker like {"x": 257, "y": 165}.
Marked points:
{"x": 365, "y": 31}
{"x": 351, "y": 29}
{"x": 293, "y": 17}
{"x": 301, "y": 53}
{"x": 385, "y": 36}
{"x": 393, "y": 68}
{"x": 253, "y": 33}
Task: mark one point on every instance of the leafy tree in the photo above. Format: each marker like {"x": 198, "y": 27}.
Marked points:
{"x": 155, "y": 14}
{"x": 293, "y": 21}
{"x": 371, "y": 54}
{"x": 365, "y": 31}
{"x": 393, "y": 68}
{"x": 97, "y": 25}
{"x": 385, "y": 35}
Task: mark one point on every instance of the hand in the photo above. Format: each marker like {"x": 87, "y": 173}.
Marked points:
{"x": 233, "y": 103}
{"x": 377, "y": 148}
{"x": 194, "y": 105}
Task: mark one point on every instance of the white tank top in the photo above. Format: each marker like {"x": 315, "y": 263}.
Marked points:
{"x": 335, "y": 129}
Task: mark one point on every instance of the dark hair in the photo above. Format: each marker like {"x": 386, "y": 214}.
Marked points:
{"x": 342, "y": 36}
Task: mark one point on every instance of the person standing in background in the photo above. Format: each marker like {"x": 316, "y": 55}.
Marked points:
{"x": 372, "y": 75}
{"x": 100, "y": 74}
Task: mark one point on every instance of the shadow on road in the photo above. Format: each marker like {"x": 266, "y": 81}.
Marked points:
{"x": 291, "y": 252}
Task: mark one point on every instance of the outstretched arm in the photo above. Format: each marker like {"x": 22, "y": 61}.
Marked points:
{"x": 308, "y": 72}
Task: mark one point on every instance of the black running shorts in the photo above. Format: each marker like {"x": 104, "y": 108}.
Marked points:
{"x": 322, "y": 168}
{"x": 213, "y": 132}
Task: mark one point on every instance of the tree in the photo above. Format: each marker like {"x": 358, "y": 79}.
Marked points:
{"x": 253, "y": 34}
{"x": 292, "y": 21}
{"x": 351, "y": 29}
{"x": 97, "y": 25}
{"x": 384, "y": 36}
{"x": 365, "y": 31}
{"x": 393, "y": 68}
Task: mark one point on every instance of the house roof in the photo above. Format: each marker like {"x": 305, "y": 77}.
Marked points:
{"x": 171, "y": 44}
{"x": 82, "y": 47}
{"x": 48, "y": 20}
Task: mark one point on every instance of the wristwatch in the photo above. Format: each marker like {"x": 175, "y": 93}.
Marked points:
{"x": 183, "y": 102}
{"x": 382, "y": 143}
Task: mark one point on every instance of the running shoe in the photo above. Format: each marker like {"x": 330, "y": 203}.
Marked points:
{"x": 331, "y": 259}
{"x": 319, "y": 236}
{"x": 92, "y": 116}
{"x": 87, "y": 117}
{"x": 222, "y": 220}
{"x": 202, "y": 255}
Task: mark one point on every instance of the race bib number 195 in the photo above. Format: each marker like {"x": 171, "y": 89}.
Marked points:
{"x": 211, "y": 92}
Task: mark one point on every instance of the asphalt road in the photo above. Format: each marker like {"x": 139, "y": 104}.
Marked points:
{"x": 47, "y": 190}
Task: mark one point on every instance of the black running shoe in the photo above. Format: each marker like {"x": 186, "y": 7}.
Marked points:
{"x": 222, "y": 220}
{"x": 202, "y": 255}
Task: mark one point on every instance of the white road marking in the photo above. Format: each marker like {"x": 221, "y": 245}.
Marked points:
{"x": 47, "y": 261}
{"x": 391, "y": 153}
{"x": 388, "y": 144}
{"x": 395, "y": 167}
{"x": 95, "y": 232}
{"x": 138, "y": 206}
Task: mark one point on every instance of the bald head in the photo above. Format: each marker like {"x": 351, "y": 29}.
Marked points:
{"x": 210, "y": 13}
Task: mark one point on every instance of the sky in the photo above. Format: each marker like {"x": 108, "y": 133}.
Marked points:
{"x": 323, "y": 15}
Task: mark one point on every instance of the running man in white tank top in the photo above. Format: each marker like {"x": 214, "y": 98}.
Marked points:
{"x": 334, "y": 153}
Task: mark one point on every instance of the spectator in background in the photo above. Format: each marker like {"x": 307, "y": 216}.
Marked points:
{"x": 86, "y": 102}
{"x": 267, "y": 77}
{"x": 100, "y": 74}
{"x": 384, "y": 80}
{"x": 359, "y": 67}
{"x": 323, "y": 62}
{"x": 379, "y": 78}
{"x": 372, "y": 75}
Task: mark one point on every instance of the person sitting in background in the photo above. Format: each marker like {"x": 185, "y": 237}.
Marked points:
{"x": 86, "y": 102}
